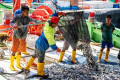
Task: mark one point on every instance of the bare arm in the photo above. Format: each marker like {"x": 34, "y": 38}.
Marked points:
{"x": 112, "y": 31}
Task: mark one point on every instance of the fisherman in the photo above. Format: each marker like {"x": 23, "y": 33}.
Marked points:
{"x": 17, "y": 12}
{"x": 45, "y": 41}
{"x": 19, "y": 35}
{"x": 65, "y": 47}
{"x": 66, "y": 44}
{"x": 107, "y": 30}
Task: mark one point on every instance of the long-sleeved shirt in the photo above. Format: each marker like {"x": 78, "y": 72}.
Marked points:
{"x": 46, "y": 39}
{"x": 21, "y": 33}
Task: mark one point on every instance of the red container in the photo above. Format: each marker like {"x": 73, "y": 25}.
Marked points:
{"x": 91, "y": 14}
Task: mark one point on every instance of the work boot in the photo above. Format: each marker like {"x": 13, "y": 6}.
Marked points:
{"x": 12, "y": 63}
{"x": 29, "y": 63}
{"x": 26, "y": 52}
{"x": 40, "y": 70}
{"x": 18, "y": 57}
{"x": 99, "y": 57}
{"x": 61, "y": 56}
{"x": 106, "y": 56}
{"x": 73, "y": 56}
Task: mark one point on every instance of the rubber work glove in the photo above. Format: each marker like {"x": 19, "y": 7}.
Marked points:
{"x": 58, "y": 50}
{"x": 14, "y": 26}
{"x": 59, "y": 32}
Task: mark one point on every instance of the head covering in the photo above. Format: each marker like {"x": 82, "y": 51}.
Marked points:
{"x": 54, "y": 20}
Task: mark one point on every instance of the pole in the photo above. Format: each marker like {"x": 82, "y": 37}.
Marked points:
{"x": 21, "y": 26}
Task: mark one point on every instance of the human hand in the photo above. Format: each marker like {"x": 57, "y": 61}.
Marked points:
{"x": 61, "y": 13}
{"x": 58, "y": 50}
{"x": 14, "y": 26}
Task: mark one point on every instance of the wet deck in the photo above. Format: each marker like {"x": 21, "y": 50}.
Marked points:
{"x": 51, "y": 57}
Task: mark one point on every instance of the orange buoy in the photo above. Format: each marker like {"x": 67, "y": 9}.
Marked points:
{"x": 41, "y": 13}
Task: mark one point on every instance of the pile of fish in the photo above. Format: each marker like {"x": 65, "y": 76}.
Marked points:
{"x": 61, "y": 71}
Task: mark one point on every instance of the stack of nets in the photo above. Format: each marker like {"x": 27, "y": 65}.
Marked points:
{"x": 74, "y": 29}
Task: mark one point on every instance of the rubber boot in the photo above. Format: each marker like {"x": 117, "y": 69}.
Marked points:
{"x": 18, "y": 58}
{"x": 26, "y": 52}
{"x": 12, "y": 63}
{"x": 99, "y": 58}
{"x": 106, "y": 56}
{"x": 61, "y": 56}
{"x": 40, "y": 70}
{"x": 73, "y": 56}
{"x": 29, "y": 63}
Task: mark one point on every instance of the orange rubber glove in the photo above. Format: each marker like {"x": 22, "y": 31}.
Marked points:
{"x": 61, "y": 13}
{"x": 58, "y": 50}
{"x": 15, "y": 27}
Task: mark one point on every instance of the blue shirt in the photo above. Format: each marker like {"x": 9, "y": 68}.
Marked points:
{"x": 46, "y": 39}
{"x": 54, "y": 14}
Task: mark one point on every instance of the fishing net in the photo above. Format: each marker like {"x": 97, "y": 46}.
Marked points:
{"x": 119, "y": 55}
{"x": 74, "y": 29}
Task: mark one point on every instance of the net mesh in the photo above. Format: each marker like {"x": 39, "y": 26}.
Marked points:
{"x": 74, "y": 29}
{"x": 3, "y": 38}
{"x": 119, "y": 55}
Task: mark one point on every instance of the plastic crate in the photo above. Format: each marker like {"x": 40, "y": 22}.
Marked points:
{"x": 42, "y": 1}
{"x": 64, "y": 8}
{"x": 115, "y": 5}
{"x": 74, "y": 8}
{"x": 8, "y": 1}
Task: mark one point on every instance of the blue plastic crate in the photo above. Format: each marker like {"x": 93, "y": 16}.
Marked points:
{"x": 63, "y": 8}
{"x": 47, "y": 0}
{"x": 34, "y": 1}
{"x": 74, "y": 8}
{"x": 42, "y": 1}
{"x": 7, "y": 1}
{"x": 115, "y": 5}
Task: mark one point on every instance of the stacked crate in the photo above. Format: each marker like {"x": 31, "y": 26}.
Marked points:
{"x": 63, "y": 4}
{"x": 74, "y": 5}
